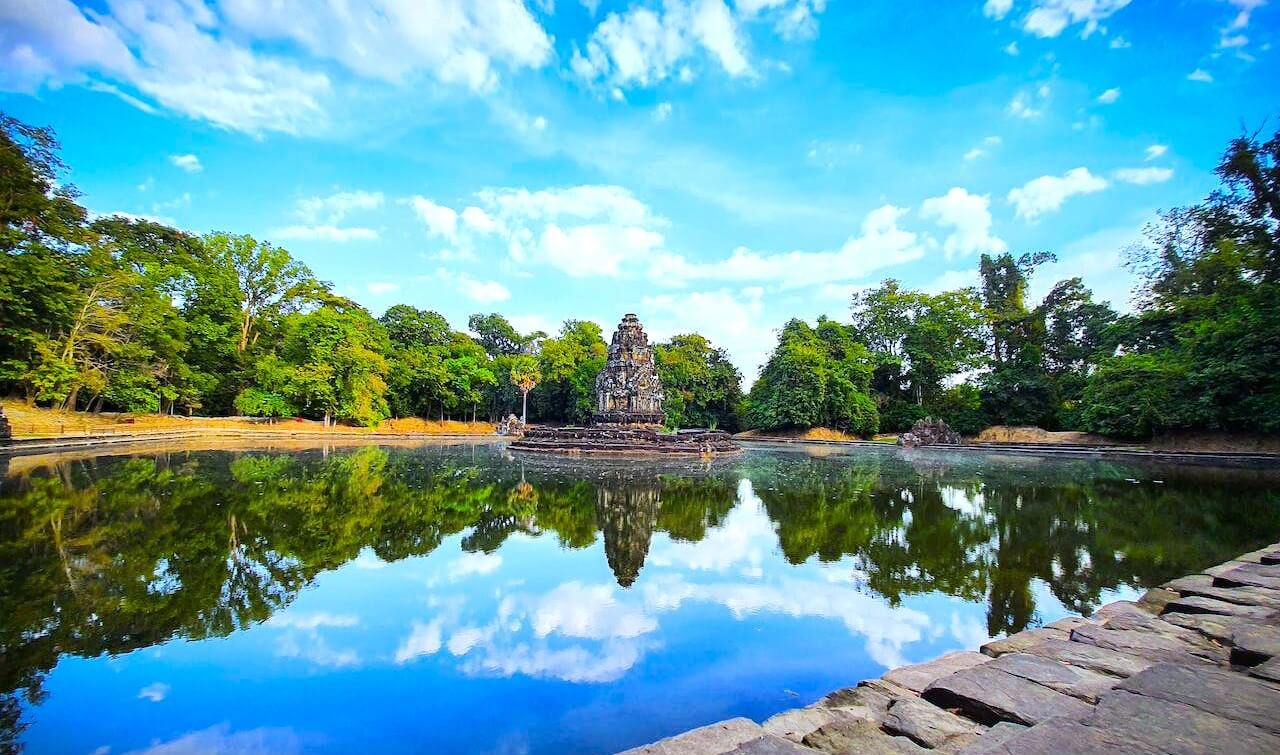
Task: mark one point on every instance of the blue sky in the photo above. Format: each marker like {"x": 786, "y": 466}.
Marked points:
{"x": 713, "y": 165}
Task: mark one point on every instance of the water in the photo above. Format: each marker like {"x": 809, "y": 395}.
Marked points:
{"x": 454, "y": 598}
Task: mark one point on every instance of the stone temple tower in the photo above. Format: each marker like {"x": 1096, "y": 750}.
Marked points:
{"x": 628, "y": 391}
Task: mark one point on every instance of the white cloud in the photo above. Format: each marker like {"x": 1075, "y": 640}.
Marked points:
{"x": 189, "y": 163}
{"x": 1050, "y": 17}
{"x": 1012, "y": 49}
{"x": 982, "y": 149}
{"x": 481, "y": 291}
{"x": 662, "y": 111}
{"x": 1156, "y": 151}
{"x": 997, "y": 9}
{"x": 440, "y": 220}
{"x": 334, "y": 208}
{"x": 379, "y": 288}
{"x": 1029, "y": 104}
{"x": 331, "y": 233}
{"x": 222, "y": 64}
{"x": 1201, "y": 76}
{"x": 1109, "y": 96}
{"x": 970, "y": 216}
{"x": 589, "y": 612}
{"x": 1120, "y": 43}
{"x": 220, "y": 740}
{"x": 737, "y": 326}
{"x": 154, "y": 692}
{"x": 1047, "y": 193}
{"x": 1143, "y": 176}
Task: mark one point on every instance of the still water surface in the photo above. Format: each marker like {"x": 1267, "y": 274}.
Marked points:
{"x": 457, "y": 598}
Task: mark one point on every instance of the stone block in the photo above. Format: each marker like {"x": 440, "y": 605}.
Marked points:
{"x": 1151, "y": 645}
{"x": 712, "y": 739}
{"x": 992, "y": 739}
{"x": 1176, "y": 728}
{"x": 927, "y": 724}
{"x": 1201, "y": 584}
{"x": 1245, "y": 574}
{"x": 1215, "y": 691}
{"x": 1203, "y": 604}
{"x": 1269, "y": 671}
{"x": 861, "y": 737}
{"x": 798, "y": 723}
{"x": 1091, "y": 657}
{"x": 989, "y": 696}
{"x": 918, "y": 676}
{"x": 1216, "y": 627}
{"x": 1254, "y": 644}
{"x": 1060, "y": 736}
{"x": 1016, "y": 643}
{"x": 1155, "y": 599}
{"x": 770, "y": 745}
{"x": 1059, "y": 677}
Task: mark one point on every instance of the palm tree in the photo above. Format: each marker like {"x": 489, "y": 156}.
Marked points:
{"x": 525, "y": 375}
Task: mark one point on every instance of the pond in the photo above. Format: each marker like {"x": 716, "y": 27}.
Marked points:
{"x": 459, "y": 598}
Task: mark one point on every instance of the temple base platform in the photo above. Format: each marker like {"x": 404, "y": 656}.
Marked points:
{"x": 626, "y": 440}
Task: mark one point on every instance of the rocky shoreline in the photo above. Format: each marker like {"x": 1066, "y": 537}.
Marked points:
{"x": 1191, "y": 667}
{"x": 626, "y": 441}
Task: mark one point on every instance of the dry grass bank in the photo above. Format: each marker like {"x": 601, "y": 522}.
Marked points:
{"x": 1011, "y": 434}
{"x": 813, "y": 433}
{"x": 34, "y": 422}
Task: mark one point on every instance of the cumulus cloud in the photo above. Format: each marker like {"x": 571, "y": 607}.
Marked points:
{"x": 380, "y": 288}
{"x": 970, "y": 217}
{"x": 189, "y": 163}
{"x": 997, "y": 9}
{"x": 1143, "y": 176}
{"x": 480, "y": 291}
{"x": 221, "y": 63}
{"x": 1048, "y": 18}
{"x": 1200, "y": 75}
{"x": 1030, "y": 103}
{"x": 1109, "y": 96}
{"x": 1156, "y": 151}
{"x": 982, "y": 149}
{"x": 1047, "y": 193}
{"x": 322, "y": 217}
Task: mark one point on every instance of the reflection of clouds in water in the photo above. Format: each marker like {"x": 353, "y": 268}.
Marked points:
{"x": 473, "y": 563}
{"x": 964, "y": 501}
{"x": 367, "y": 559}
{"x": 746, "y": 535}
{"x": 590, "y": 612}
{"x": 581, "y": 632}
{"x": 154, "y": 692}
{"x": 887, "y": 630}
{"x": 220, "y": 740}
{"x": 302, "y": 638}
{"x": 967, "y": 631}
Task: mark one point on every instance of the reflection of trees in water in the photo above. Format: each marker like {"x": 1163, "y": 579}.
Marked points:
{"x": 110, "y": 555}
{"x": 982, "y": 528}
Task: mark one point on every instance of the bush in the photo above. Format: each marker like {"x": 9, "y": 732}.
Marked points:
{"x": 1136, "y": 396}
{"x": 897, "y": 416}
{"x": 255, "y": 402}
{"x": 961, "y": 408}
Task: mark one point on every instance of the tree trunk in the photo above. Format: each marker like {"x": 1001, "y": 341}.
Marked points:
{"x": 524, "y": 406}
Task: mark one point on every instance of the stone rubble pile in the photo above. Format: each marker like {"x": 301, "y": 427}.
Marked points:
{"x": 928, "y": 432}
{"x": 1191, "y": 667}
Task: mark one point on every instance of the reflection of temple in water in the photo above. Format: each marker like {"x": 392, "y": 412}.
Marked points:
{"x": 626, "y": 515}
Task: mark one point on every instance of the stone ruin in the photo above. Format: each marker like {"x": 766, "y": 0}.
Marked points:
{"x": 6, "y": 432}
{"x": 629, "y": 416}
{"x": 628, "y": 391}
{"x": 929, "y": 432}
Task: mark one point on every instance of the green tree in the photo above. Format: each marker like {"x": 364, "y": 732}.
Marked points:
{"x": 525, "y": 375}
{"x": 703, "y": 388}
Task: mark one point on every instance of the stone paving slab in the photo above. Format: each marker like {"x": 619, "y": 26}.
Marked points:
{"x": 993, "y": 738}
{"x": 1176, "y": 728}
{"x": 1254, "y": 644}
{"x": 1150, "y": 645}
{"x": 862, "y": 737}
{"x": 921, "y": 675}
{"x": 1203, "y": 604}
{"x": 713, "y": 739}
{"x": 1016, "y": 643}
{"x": 1091, "y": 657}
{"x": 1202, "y": 584}
{"x": 989, "y": 696}
{"x": 1060, "y": 736}
{"x": 1258, "y": 575}
{"x": 1215, "y": 691}
{"x": 796, "y": 724}
{"x": 1077, "y": 682}
{"x": 1269, "y": 671}
{"x": 929, "y": 725}
{"x": 770, "y": 745}
{"x": 1216, "y": 627}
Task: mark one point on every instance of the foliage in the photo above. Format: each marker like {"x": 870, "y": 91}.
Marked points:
{"x": 703, "y": 388}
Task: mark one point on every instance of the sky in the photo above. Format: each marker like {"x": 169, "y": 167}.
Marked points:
{"x": 718, "y": 166}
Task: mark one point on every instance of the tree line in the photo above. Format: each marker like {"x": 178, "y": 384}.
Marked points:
{"x": 126, "y": 314}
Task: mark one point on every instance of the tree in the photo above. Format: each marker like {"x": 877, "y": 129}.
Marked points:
{"x": 409, "y": 326}
{"x": 569, "y": 364}
{"x": 266, "y": 280}
{"x": 525, "y": 375}
{"x": 703, "y": 388}
{"x": 498, "y": 337}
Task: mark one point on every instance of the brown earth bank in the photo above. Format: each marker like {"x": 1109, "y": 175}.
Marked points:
{"x": 1203, "y": 442}
{"x": 35, "y": 422}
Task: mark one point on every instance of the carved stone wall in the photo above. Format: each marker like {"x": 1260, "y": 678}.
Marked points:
{"x": 628, "y": 390}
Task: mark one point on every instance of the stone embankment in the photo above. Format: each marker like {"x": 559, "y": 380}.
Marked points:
{"x": 1192, "y": 667}
{"x": 608, "y": 440}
